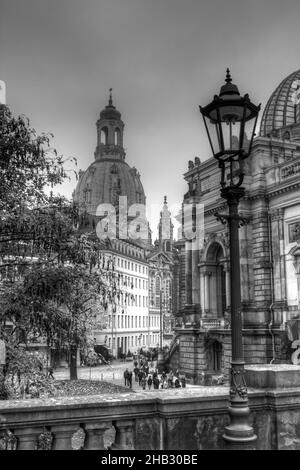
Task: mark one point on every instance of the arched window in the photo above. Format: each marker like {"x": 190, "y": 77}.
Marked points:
{"x": 104, "y": 135}
{"x": 117, "y": 136}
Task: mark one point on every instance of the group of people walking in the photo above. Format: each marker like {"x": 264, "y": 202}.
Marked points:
{"x": 147, "y": 376}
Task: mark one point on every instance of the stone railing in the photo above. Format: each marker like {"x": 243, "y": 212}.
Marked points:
{"x": 118, "y": 422}
{"x": 208, "y": 324}
{"x": 175, "y": 419}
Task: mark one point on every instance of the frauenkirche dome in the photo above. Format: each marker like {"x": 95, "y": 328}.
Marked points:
{"x": 109, "y": 176}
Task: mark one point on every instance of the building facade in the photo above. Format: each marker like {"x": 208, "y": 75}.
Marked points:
{"x": 269, "y": 248}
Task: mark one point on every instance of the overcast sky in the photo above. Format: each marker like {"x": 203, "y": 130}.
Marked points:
{"x": 161, "y": 57}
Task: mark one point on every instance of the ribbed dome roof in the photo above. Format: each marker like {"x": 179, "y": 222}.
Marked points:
{"x": 105, "y": 180}
{"x": 280, "y": 110}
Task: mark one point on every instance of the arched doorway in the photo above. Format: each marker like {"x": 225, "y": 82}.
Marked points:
{"x": 215, "y": 281}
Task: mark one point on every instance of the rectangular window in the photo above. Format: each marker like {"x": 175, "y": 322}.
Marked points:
{"x": 139, "y": 300}
{"x": 139, "y": 322}
{"x": 136, "y": 322}
{"x": 139, "y": 283}
{"x": 118, "y": 321}
{"x": 125, "y": 264}
{"x": 135, "y": 267}
{"x": 121, "y": 263}
{"x": 135, "y": 282}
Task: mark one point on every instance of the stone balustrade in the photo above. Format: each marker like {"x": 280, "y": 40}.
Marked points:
{"x": 207, "y": 323}
{"x": 175, "y": 419}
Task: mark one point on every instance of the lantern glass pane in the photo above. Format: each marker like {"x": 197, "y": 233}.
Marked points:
{"x": 213, "y": 135}
{"x": 231, "y": 135}
{"x": 248, "y": 132}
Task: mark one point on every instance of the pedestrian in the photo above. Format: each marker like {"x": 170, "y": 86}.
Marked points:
{"x": 177, "y": 383}
{"x": 136, "y": 373}
{"x": 143, "y": 382}
{"x": 156, "y": 382}
{"x": 183, "y": 381}
{"x": 50, "y": 372}
{"x": 129, "y": 379}
{"x": 140, "y": 375}
{"x": 149, "y": 382}
{"x": 126, "y": 372}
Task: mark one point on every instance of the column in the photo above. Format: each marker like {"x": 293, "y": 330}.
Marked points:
{"x": 195, "y": 275}
{"x": 124, "y": 435}
{"x": 94, "y": 435}
{"x": 188, "y": 272}
{"x": 27, "y": 437}
{"x": 63, "y": 436}
{"x": 207, "y": 291}
{"x": 278, "y": 259}
{"x": 202, "y": 292}
{"x": 298, "y": 284}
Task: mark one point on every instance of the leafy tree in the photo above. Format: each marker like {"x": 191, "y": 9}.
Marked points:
{"x": 32, "y": 220}
{"x": 53, "y": 278}
{"x": 63, "y": 302}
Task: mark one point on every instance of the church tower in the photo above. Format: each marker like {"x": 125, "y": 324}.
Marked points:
{"x": 165, "y": 228}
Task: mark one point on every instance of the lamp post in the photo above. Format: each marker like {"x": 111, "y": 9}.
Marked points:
{"x": 230, "y": 121}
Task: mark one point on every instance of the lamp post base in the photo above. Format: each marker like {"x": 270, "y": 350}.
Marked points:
{"x": 239, "y": 434}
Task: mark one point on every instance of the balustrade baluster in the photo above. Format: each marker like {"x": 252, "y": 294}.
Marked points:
{"x": 94, "y": 435}
{"x": 63, "y": 436}
{"x": 124, "y": 435}
{"x": 27, "y": 437}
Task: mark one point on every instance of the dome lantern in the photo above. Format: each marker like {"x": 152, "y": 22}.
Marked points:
{"x": 110, "y": 132}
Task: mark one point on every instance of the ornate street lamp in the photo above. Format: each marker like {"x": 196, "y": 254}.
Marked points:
{"x": 230, "y": 121}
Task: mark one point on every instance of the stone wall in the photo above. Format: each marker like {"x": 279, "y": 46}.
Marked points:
{"x": 184, "y": 419}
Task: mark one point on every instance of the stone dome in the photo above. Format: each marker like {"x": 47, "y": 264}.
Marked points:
{"x": 104, "y": 181}
{"x": 283, "y": 109}
{"x": 109, "y": 176}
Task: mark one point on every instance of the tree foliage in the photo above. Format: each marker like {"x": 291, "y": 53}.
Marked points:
{"x": 33, "y": 222}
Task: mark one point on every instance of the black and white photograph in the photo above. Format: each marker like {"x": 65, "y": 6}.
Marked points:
{"x": 149, "y": 228}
